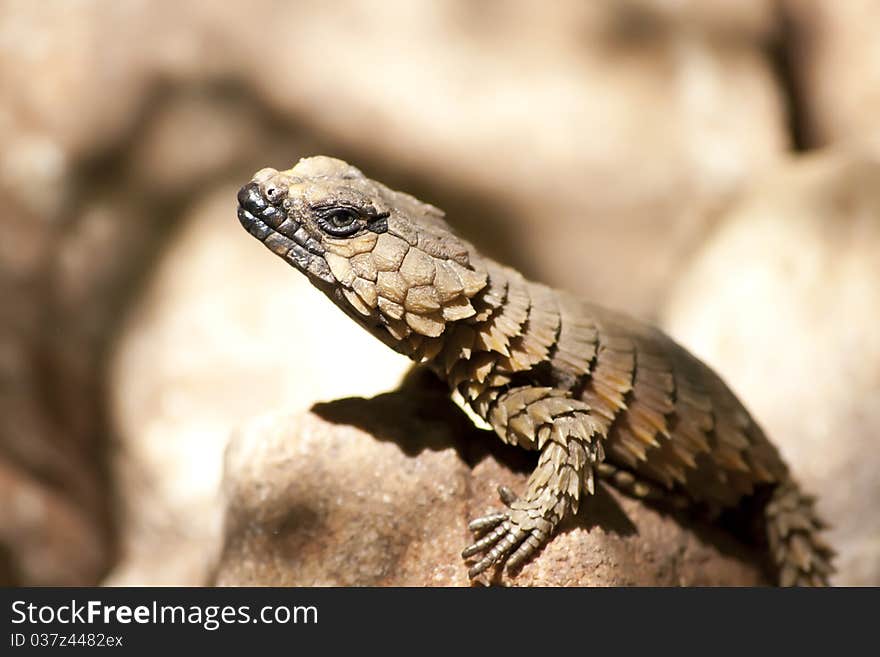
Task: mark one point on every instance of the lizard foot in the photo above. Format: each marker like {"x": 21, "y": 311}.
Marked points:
{"x": 509, "y": 537}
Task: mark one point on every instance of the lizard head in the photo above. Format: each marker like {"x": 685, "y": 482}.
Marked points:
{"x": 384, "y": 257}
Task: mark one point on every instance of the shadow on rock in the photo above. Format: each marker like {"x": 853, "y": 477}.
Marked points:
{"x": 647, "y": 541}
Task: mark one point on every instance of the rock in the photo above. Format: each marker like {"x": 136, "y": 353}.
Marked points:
{"x": 46, "y": 539}
{"x": 222, "y": 331}
{"x": 195, "y": 136}
{"x": 60, "y": 70}
{"x": 51, "y": 468}
{"x": 783, "y": 303}
{"x": 364, "y": 492}
{"x": 835, "y": 61}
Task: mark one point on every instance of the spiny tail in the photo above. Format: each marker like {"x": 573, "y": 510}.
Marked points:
{"x": 800, "y": 556}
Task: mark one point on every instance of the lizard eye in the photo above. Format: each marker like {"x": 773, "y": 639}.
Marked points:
{"x": 339, "y": 222}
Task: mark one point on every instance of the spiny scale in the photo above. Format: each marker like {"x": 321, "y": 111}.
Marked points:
{"x": 672, "y": 431}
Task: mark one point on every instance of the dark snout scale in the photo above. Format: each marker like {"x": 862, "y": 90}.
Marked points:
{"x": 251, "y": 198}
{"x": 596, "y": 393}
{"x": 254, "y": 205}
{"x": 250, "y": 205}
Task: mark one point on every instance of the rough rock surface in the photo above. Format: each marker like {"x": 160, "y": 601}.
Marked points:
{"x": 363, "y": 492}
{"x": 784, "y": 303}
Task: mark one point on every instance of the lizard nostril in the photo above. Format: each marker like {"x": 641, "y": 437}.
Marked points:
{"x": 274, "y": 193}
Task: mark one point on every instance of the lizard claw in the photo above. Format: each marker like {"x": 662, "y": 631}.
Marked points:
{"x": 512, "y": 538}
{"x": 496, "y": 545}
{"x": 507, "y": 496}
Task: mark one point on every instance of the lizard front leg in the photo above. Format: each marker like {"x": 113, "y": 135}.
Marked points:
{"x": 570, "y": 441}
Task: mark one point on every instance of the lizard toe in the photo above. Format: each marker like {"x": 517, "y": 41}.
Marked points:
{"x": 487, "y": 522}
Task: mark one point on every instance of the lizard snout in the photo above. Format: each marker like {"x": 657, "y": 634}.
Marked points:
{"x": 255, "y": 206}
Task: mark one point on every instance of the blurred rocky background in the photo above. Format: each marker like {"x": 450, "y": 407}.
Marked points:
{"x": 711, "y": 165}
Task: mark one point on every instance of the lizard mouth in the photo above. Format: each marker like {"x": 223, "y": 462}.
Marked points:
{"x": 282, "y": 235}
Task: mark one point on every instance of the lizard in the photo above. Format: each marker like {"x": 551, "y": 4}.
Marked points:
{"x": 595, "y": 392}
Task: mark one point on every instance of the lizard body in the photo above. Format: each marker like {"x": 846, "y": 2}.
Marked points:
{"x": 595, "y": 392}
